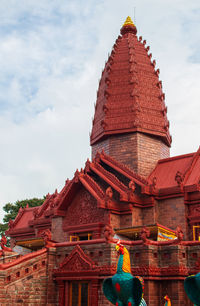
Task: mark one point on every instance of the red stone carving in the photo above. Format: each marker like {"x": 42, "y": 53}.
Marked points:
{"x": 77, "y": 261}
{"x": 36, "y": 213}
{"x": 3, "y": 245}
{"x": 131, "y": 185}
{"x": 144, "y": 234}
{"x": 194, "y": 210}
{"x": 179, "y": 233}
{"x": 46, "y": 235}
{"x": 109, "y": 195}
{"x": 84, "y": 210}
{"x": 10, "y": 224}
{"x": 108, "y": 233}
{"x": 179, "y": 177}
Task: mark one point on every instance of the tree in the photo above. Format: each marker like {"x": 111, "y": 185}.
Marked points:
{"x": 11, "y": 210}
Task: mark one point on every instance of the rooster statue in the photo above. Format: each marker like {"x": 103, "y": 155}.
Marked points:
{"x": 192, "y": 288}
{"x": 167, "y": 301}
{"x": 123, "y": 288}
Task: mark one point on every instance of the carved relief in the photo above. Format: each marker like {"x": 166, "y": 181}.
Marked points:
{"x": 194, "y": 210}
{"x": 36, "y": 213}
{"x": 77, "y": 261}
{"x": 179, "y": 177}
{"x": 84, "y": 210}
{"x": 76, "y": 264}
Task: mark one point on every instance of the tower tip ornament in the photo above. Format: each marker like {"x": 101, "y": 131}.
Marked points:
{"x": 128, "y": 22}
{"x": 128, "y": 26}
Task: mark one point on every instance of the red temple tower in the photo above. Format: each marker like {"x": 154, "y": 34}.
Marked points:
{"x": 130, "y": 122}
{"x": 130, "y": 190}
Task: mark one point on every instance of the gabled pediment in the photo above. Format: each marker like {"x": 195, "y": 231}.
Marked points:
{"x": 77, "y": 261}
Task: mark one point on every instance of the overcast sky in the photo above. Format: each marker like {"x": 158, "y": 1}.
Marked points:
{"x": 51, "y": 57}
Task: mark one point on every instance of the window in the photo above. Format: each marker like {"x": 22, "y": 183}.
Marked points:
{"x": 196, "y": 232}
{"x": 74, "y": 238}
{"x": 80, "y": 237}
{"x": 79, "y": 294}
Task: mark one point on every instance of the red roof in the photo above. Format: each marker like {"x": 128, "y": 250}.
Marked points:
{"x": 130, "y": 96}
{"x": 115, "y": 187}
{"x": 24, "y": 216}
{"x": 166, "y": 169}
{"x": 180, "y": 171}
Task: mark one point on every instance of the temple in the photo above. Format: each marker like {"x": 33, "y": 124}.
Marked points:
{"x": 131, "y": 190}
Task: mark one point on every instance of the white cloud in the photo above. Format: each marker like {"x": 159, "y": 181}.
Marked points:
{"x": 51, "y": 57}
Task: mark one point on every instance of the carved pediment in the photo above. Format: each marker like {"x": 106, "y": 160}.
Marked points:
{"x": 77, "y": 261}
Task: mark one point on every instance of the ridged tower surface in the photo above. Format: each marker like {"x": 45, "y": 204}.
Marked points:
{"x": 130, "y": 96}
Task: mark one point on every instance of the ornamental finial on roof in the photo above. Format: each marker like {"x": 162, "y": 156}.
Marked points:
{"x": 128, "y": 22}
{"x": 128, "y": 26}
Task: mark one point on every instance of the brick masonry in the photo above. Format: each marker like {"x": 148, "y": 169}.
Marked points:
{"x": 140, "y": 152}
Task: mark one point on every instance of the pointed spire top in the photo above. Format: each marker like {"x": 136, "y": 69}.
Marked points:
{"x": 128, "y": 26}
{"x": 128, "y": 22}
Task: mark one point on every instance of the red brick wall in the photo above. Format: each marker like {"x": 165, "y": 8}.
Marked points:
{"x": 149, "y": 150}
{"x": 137, "y": 216}
{"x": 58, "y": 234}
{"x": 115, "y": 220}
{"x": 138, "y": 151}
{"x": 126, "y": 221}
{"x": 28, "y": 283}
{"x": 171, "y": 212}
{"x": 148, "y": 216}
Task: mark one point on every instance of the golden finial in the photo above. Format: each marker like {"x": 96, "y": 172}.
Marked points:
{"x": 128, "y": 22}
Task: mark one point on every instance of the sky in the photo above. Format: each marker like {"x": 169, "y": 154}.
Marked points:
{"x": 52, "y": 53}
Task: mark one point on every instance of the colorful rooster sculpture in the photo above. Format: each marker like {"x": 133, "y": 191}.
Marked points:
{"x": 123, "y": 288}
{"x": 167, "y": 301}
{"x": 192, "y": 288}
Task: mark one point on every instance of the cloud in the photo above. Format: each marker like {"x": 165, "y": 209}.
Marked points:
{"x": 51, "y": 57}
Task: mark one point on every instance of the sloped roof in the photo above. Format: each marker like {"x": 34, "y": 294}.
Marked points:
{"x": 116, "y": 187}
{"x": 130, "y": 96}
{"x": 181, "y": 172}
{"x": 166, "y": 169}
{"x": 105, "y": 179}
{"x": 24, "y": 216}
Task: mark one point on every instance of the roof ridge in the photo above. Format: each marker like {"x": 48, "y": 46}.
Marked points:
{"x": 123, "y": 167}
{"x": 191, "y": 166}
{"x": 18, "y": 217}
{"x": 110, "y": 175}
{"x": 175, "y": 157}
{"x": 94, "y": 185}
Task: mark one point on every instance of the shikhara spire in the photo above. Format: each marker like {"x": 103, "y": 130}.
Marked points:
{"x": 130, "y": 96}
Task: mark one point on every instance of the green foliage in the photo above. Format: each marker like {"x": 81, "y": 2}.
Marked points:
{"x": 11, "y": 210}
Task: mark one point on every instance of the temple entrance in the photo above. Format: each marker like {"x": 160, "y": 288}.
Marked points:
{"x": 78, "y": 280}
{"x": 79, "y": 293}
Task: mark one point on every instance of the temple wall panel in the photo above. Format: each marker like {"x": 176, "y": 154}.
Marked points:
{"x": 57, "y": 229}
{"x": 170, "y": 213}
{"x": 115, "y": 220}
{"x": 148, "y": 216}
{"x": 126, "y": 221}
{"x": 136, "y": 216}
